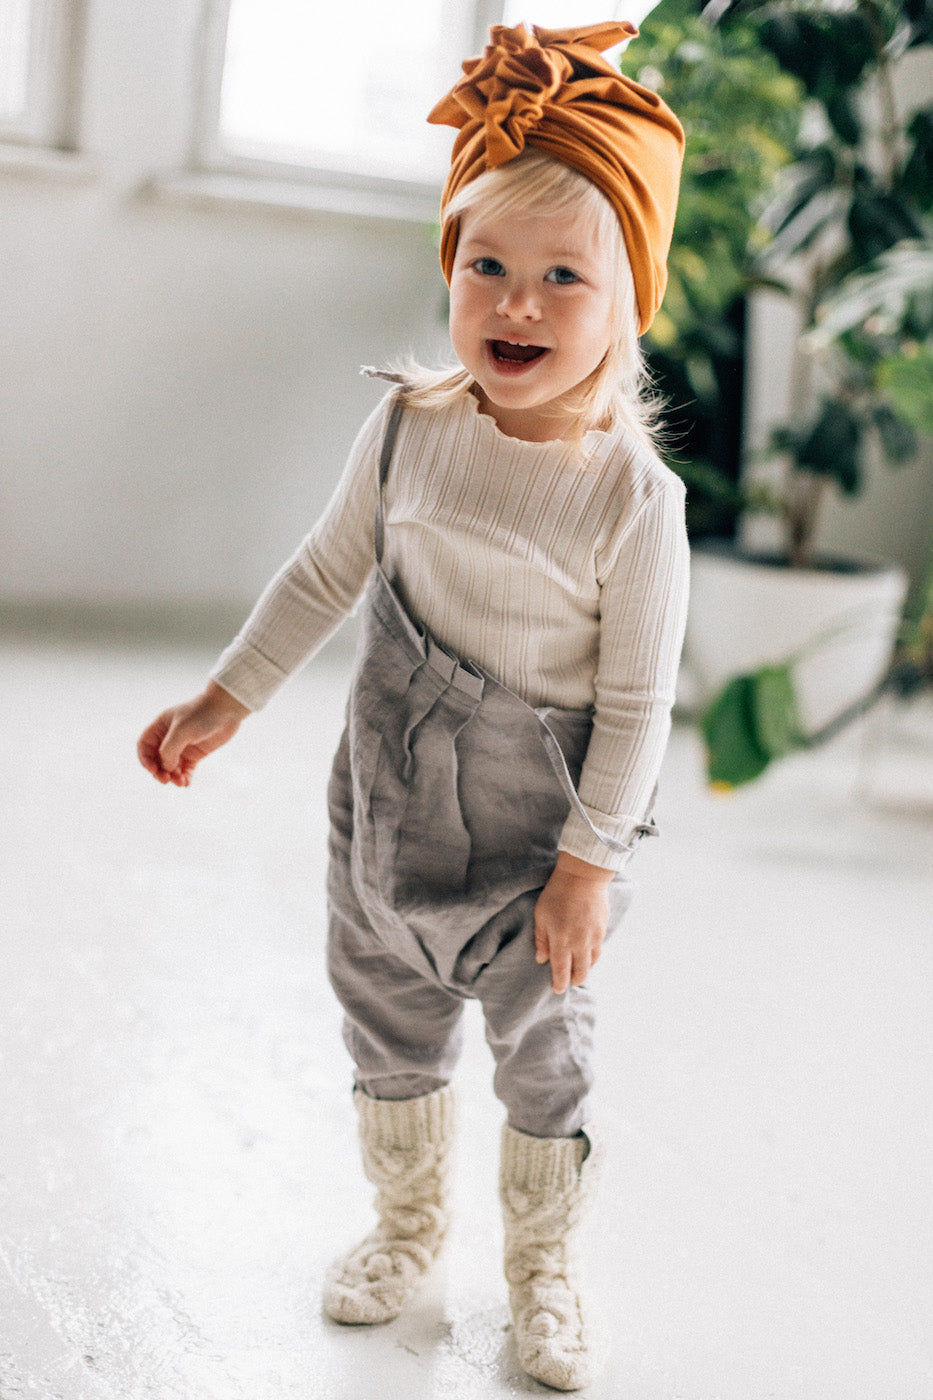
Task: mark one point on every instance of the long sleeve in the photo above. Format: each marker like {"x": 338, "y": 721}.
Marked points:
{"x": 643, "y": 610}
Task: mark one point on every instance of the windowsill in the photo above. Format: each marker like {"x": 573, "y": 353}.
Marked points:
{"x": 44, "y": 160}
{"x": 208, "y": 187}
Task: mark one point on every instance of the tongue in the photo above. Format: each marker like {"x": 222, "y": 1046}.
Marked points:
{"x": 518, "y": 354}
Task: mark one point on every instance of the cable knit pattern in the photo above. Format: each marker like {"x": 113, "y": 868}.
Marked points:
{"x": 547, "y": 1186}
{"x": 407, "y": 1147}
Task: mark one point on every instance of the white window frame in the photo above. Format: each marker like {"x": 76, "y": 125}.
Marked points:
{"x": 49, "y": 120}
{"x": 286, "y": 182}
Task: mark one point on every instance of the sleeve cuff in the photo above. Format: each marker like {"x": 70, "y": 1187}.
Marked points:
{"x": 578, "y": 840}
{"x": 247, "y": 675}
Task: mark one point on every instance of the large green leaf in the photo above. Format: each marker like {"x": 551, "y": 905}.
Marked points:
{"x": 831, "y": 447}
{"x": 853, "y": 42}
{"x": 733, "y": 753}
{"x": 843, "y": 112}
{"x": 908, "y": 380}
{"x": 751, "y": 721}
{"x": 920, "y": 15}
{"x": 827, "y": 50}
{"x": 797, "y": 44}
{"x": 898, "y": 437}
{"x": 902, "y": 273}
{"x": 917, "y": 176}
{"x": 878, "y": 219}
{"x": 798, "y": 183}
{"x": 776, "y": 716}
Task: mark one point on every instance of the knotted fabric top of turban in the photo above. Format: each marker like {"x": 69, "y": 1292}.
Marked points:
{"x": 553, "y": 90}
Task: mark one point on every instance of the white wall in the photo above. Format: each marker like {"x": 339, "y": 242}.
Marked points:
{"x": 179, "y": 385}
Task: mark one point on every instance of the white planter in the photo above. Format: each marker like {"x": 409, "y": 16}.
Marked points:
{"x": 746, "y": 613}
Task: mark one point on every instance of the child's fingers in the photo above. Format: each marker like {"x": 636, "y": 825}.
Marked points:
{"x": 162, "y": 751}
{"x": 588, "y": 958}
{"x": 558, "y": 954}
{"x": 174, "y": 744}
{"x": 582, "y": 966}
{"x": 571, "y": 960}
{"x": 188, "y": 740}
{"x": 561, "y": 969}
{"x": 172, "y": 747}
{"x": 569, "y": 927}
{"x": 147, "y": 748}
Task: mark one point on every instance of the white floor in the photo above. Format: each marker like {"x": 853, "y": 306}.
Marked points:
{"x": 177, "y": 1153}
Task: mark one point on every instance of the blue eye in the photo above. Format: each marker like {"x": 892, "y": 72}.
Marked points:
{"x": 563, "y": 276}
{"x": 489, "y": 267}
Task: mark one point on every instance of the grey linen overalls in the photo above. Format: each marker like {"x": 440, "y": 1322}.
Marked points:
{"x": 447, "y": 799}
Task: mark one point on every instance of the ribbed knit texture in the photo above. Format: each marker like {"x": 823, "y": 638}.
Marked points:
{"x": 564, "y": 577}
{"x": 542, "y": 1164}
{"x": 406, "y": 1123}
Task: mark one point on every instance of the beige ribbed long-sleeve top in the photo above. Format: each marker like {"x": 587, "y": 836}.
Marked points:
{"x": 563, "y": 576}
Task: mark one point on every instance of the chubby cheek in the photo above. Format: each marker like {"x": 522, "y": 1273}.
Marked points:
{"x": 593, "y": 345}
{"x": 463, "y": 320}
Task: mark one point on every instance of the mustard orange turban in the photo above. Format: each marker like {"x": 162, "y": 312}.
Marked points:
{"x": 553, "y": 90}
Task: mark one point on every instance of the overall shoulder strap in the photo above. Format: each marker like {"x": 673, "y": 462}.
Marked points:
{"x": 385, "y": 460}
{"x": 559, "y": 763}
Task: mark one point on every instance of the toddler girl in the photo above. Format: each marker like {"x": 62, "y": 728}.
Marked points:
{"x": 524, "y": 558}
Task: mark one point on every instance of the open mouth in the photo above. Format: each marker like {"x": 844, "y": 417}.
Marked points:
{"x": 509, "y": 353}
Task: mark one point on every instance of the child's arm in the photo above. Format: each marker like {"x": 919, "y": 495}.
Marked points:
{"x": 174, "y": 744}
{"x": 643, "y": 606}
{"x": 643, "y": 614}
{"x": 570, "y": 919}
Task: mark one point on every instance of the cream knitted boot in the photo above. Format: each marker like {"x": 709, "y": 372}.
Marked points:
{"x": 407, "y": 1155}
{"x": 546, "y": 1186}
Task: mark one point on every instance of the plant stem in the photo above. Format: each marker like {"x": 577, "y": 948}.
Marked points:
{"x": 798, "y": 533}
{"x": 805, "y": 513}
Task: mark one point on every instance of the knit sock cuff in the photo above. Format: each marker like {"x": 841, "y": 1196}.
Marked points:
{"x": 406, "y": 1123}
{"x": 542, "y": 1164}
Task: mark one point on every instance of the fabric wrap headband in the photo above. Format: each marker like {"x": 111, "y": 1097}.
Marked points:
{"x": 553, "y": 90}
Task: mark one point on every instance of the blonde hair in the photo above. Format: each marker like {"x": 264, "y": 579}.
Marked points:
{"x": 617, "y": 393}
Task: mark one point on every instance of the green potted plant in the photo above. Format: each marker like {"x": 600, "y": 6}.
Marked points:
{"x": 851, "y": 240}
{"x": 741, "y": 114}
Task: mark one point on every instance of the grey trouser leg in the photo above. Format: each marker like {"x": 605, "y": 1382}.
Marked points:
{"x": 542, "y": 1043}
{"x": 403, "y": 1027}
{"x": 402, "y": 1030}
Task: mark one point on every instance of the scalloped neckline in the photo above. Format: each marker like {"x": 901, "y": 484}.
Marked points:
{"x": 564, "y": 443}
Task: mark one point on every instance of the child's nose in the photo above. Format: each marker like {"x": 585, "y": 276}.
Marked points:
{"x": 519, "y": 301}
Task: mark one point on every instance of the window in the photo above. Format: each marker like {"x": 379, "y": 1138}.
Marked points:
{"x": 37, "y": 44}
{"x": 340, "y": 94}
{"x": 334, "y": 92}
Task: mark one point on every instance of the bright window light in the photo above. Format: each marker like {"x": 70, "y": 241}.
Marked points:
{"x": 563, "y": 14}
{"x": 349, "y": 94}
{"x": 14, "y": 58}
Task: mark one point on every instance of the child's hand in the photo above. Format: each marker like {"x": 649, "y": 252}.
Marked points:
{"x": 174, "y": 744}
{"x": 570, "y": 920}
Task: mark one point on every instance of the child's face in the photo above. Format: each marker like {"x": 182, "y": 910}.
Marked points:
{"x": 530, "y": 315}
